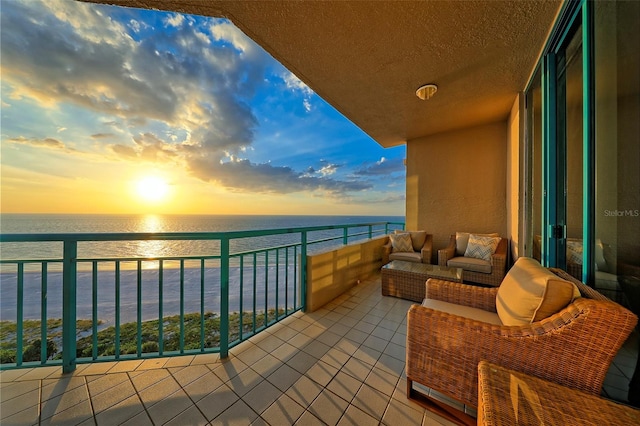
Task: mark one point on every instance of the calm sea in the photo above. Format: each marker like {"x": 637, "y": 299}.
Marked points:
{"x": 54, "y": 223}
{"x": 128, "y": 291}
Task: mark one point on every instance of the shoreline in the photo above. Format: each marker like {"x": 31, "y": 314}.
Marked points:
{"x": 194, "y": 288}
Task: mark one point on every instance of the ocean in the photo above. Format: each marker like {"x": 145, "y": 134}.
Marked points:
{"x": 180, "y": 287}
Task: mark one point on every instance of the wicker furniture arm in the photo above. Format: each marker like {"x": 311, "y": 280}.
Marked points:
{"x": 448, "y": 252}
{"x": 573, "y": 347}
{"x": 386, "y": 251}
{"x": 462, "y": 294}
{"x": 427, "y": 249}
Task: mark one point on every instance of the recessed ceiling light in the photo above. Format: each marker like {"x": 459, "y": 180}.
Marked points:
{"x": 427, "y": 91}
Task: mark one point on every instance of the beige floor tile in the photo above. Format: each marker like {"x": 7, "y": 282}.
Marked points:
{"x": 347, "y": 346}
{"x": 329, "y": 337}
{"x": 166, "y": 409}
{"x": 284, "y": 411}
{"x": 376, "y": 343}
{"x": 157, "y": 392}
{"x": 356, "y": 336}
{"x": 344, "y": 385}
{"x": 202, "y": 386}
{"x": 304, "y": 391}
{"x": 336, "y": 358}
{"x": 189, "y": 374}
{"x": 15, "y": 389}
{"x": 27, "y": 417}
{"x": 316, "y": 349}
{"x": 308, "y": 419}
{"x": 239, "y": 414}
{"x": 141, "y": 419}
{"x": 125, "y": 366}
{"x": 72, "y": 407}
{"x": 13, "y": 375}
{"x": 251, "y": 354}
{"x": 191, "y": 416}
{"x": 112, "y": 396}
{"x": 41, "y": 373}
{"x": 152, "y": 364}
{"x": 401, "y": 415}
{"x": 366, "y": 354}
{"x": 261, "y": 396}
{"x": 391, "y": 364}
{"x": 270, "y": 344}
{"x": 382, "y": 381}
{"x": 357, "y": 368}
{"x": 371, "y": 401}
{"x": 300, "y": 341}
{"x": 104, "y": 382}
{"x": 284, "y": 377}
{"x": 229, "y": 368}
{"x": 24, "y": 401}
{"x": 119, "y": 413}
{"x": 216, "y": 402}
{"x": 207, "y": 359}
{"x": 244, "y": 382}
{"x": 356, "y": 417}
{"x": 143, "y": 379}
{"x": 328, "y": 407}
{"x": 267, "y": 365}
{"x": 321, "y": 373}
{"x": 302, "y": 361}
{"x": 179, "y": 361}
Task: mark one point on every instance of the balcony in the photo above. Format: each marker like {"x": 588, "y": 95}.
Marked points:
{"x": 342, "y": 364}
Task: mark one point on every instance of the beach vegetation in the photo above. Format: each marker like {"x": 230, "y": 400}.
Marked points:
{"x": 192, "y": 333}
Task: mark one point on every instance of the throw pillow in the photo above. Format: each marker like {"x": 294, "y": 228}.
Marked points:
{"x": 401, "y": 243}
{"x": 481, "y": 247}
{"x": 529, "y": 292}
{"x": 462, "y": 240}
{"x": 574, "y": 252}
{"x": 417, "y": 238}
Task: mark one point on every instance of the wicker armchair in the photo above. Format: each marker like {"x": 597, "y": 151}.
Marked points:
{"x": 422, "y": 248}
{"x": 498, "y": 268}
{"x": 573, "y": 347}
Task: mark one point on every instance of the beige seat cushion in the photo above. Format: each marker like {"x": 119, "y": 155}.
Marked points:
{"x": 406, "y": 256}
{"x": 529, "y": 292}
{"x": 470, "y": 264}
{"x": 462, "y": 311}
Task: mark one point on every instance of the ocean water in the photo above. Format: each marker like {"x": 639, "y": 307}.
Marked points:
{"x": 250, "y": 288}
{"x": 54, "y": 223}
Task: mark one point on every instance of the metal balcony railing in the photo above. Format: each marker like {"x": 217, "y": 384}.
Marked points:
{"x": 106, "y": 308}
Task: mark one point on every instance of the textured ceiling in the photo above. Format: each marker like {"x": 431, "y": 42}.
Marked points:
{"x": 368, "y": 58}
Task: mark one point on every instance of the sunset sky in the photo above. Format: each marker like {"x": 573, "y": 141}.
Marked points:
{"x": 114, "y": 110}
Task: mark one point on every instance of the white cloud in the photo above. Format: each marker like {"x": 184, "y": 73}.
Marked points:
{"x": 188, "y": 83}
{"x": 174, "y": 20}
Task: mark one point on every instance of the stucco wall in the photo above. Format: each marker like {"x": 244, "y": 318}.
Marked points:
{"x": 456, "y": 181}
{"x": 332, "y": 273}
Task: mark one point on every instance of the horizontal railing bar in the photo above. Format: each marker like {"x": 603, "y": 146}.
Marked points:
{"x": 122, "y": 236}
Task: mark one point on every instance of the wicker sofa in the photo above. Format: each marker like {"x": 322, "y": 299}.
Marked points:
{"x": 573, "y": 347}
{"x": 475, "y": 270}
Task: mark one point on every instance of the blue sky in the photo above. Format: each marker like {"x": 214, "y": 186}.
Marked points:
{"x": 96, "y": 99}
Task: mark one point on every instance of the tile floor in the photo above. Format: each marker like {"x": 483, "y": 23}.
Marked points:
{"x": 341, "y": 365}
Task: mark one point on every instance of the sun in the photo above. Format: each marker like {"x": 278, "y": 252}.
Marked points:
{"x": 152, "y": 189}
